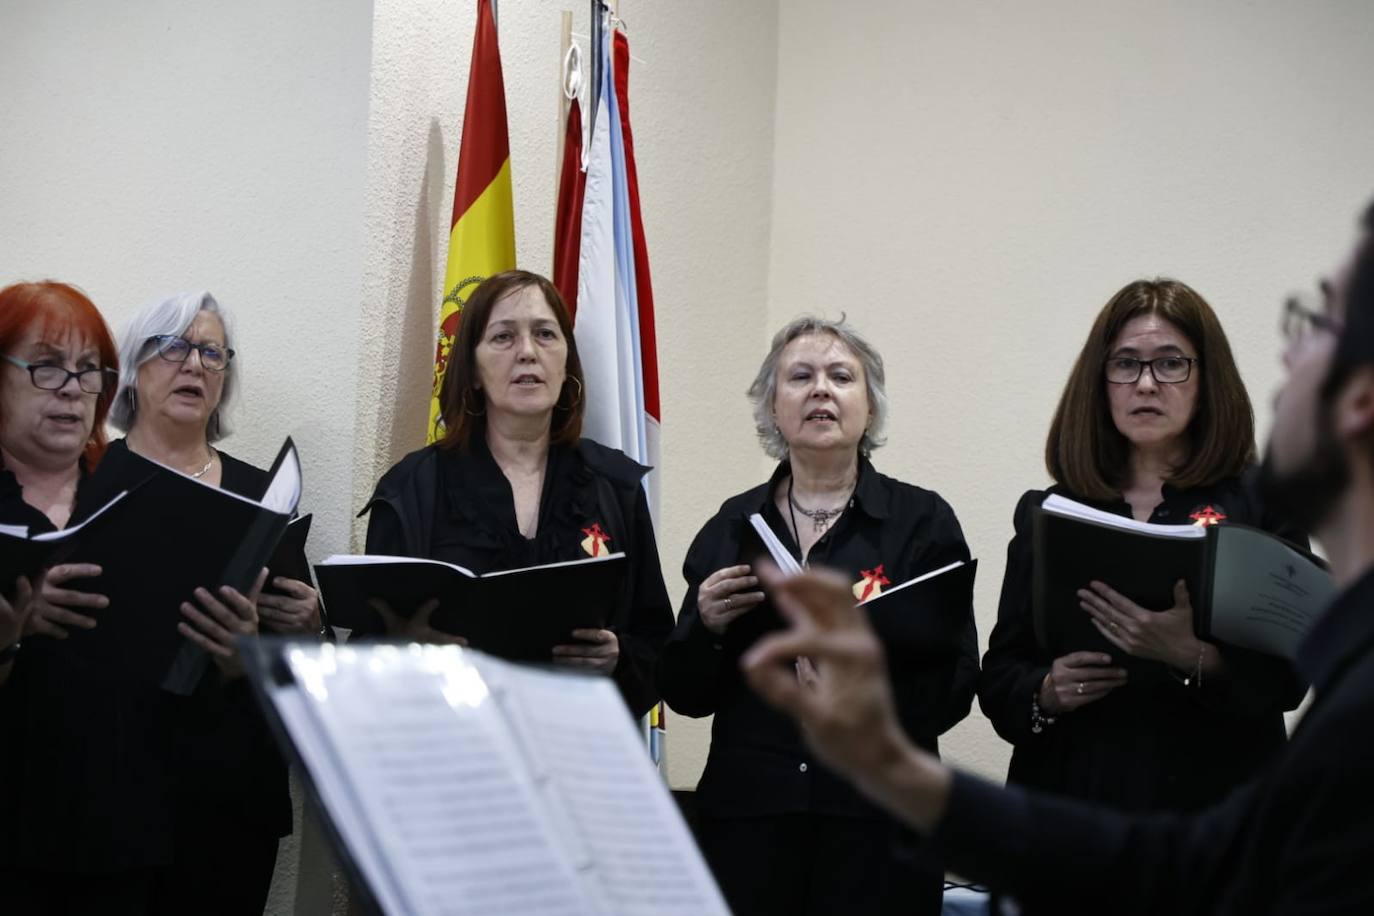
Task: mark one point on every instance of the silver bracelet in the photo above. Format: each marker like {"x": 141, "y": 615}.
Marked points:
{"x": 1038, "y": 719}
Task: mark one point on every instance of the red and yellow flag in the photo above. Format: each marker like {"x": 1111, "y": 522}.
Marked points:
{"x": 481, "y": 238}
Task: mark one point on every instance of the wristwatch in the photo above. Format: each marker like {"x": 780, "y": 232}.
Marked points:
{"x": 8, "y": 653}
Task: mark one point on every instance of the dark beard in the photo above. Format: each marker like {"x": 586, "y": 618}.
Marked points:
{"x": 1307, "y": 496}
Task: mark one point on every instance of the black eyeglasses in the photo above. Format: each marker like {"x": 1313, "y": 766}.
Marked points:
{"x": 1166, "y": 370}
{"x": 1299, "y": 321}
{"x": 52, "y": 377}
{"x": 178, "y": 349}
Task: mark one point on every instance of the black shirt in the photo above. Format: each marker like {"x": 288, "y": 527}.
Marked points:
{"x": 1297, "y": 839}
{"x": 1153, "y": 743}
{"x": 117, "y": 773}
{"x": 85, "y": 755}
{"x": 456, "y": 505}
{"x": 758, "y": 764}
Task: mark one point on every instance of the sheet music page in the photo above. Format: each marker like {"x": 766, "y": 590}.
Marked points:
{"x": 335, "y": 794}
{"x": 431, "y": 765}
{"x": 284, "y": 490}
{"x": 577, "y": 729}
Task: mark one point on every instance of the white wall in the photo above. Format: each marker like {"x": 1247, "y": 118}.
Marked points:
{"x": 972, "y": 182}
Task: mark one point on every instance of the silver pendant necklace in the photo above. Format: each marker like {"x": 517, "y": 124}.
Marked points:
{"x": 819, "y": 517}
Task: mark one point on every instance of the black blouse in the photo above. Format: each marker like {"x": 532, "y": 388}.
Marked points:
{"x": 758, "y": 763}
{"x": 1153, "y": 743}
{"x": 456, "y": 505}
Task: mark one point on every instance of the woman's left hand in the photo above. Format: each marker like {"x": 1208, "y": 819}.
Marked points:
{"x": 1164, "y": 636}
{"x": 598, "y": 650}
{"x": 219, "y": 620}
{"x": 295, "y": 611}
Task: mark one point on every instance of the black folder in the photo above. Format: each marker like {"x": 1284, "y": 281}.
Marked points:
{"x": 518, "y": 614}
{"x": 22, "y": 554}
{"x": 1247, "y": 587}
{"x": 175, "y": 534}
{"x": 288, "y": 560}
{"x": 923, "y": 617}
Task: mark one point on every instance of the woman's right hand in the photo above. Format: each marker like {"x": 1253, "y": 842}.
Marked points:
{"x": 721, "y": 597}
{"x": 416, "y": 627}
{"x": 1077, "y": 679}
{"x": 52, "y": 605}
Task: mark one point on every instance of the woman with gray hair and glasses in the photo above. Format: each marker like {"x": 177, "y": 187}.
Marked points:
{"x": 231, "y": 798}
{"x": 783, "y": 833}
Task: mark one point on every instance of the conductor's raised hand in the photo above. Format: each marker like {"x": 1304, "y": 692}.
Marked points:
{"x": 53, "y": 604}
{"x": 594, "y": 650}
{"x": 725, "y": 595}
{"x": 843, "y": 702}
{"x": 1077, "y": 679}
{"x": 416, "y": 627}
{"x": 220, "y": 619}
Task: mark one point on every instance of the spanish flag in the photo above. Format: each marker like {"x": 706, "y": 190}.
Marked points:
{"x": 481, "y": 239}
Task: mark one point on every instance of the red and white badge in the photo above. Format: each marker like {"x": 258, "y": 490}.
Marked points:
{"x": 597, "y": 542}
{"x": 871, "y": 582}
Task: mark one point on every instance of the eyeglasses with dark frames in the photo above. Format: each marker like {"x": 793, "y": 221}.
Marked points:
{"x": 177, "y": 349}
{"x": 1301, "y": 321}
{"x": 1166, "y": 370}
{"x": 52, "y": 377}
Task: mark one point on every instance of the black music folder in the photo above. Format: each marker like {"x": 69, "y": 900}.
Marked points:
{"x": 174, "y": 534}
{"x": 517, "y": 614}
{"x": 451, "y": 782}
{"x": 924, "y": 616}
{"x": 1248, "y": 588}
{"x": 25, "y": 554}
{"x": 288, "y": 560}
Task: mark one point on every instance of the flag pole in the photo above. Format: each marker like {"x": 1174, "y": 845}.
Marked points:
{"x": 564, "y": 43}
{"x": 495, "y": 19}
{"x": 594, "y": 52}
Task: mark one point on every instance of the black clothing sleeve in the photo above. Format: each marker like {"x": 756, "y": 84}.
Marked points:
{"x": 1014, "y": 666}
{"x": 696, "y": 666}
{"x": 647, "y": 617}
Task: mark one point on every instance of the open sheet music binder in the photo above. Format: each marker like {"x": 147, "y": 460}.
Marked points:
{"x": 455, "y": 783}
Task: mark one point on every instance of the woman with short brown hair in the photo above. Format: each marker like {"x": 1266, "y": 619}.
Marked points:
{"x": 1155, "y": 424}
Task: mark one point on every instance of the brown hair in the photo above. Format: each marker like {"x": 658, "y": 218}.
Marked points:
{"x": 462, "y": 405}
{"x": 60, "y": 309}
{"x": 1088, "y": 455}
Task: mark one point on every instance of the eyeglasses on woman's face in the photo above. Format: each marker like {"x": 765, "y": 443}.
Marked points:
{"x": 52, "y": 377}
{"x": 177, "y": 349}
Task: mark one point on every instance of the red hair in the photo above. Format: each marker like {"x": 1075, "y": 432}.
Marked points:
{"x": 59, "y": 310}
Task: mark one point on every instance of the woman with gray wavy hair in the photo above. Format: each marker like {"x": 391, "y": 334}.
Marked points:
{"x": 781, "y": 832}
{"x": 179, "y": 372}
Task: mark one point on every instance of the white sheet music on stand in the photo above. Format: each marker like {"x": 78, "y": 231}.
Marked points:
{"x": 465, "y": 785}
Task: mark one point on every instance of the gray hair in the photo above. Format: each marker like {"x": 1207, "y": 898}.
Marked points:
{"x": 765, "y": 385}
{"x": 167, "y": 316}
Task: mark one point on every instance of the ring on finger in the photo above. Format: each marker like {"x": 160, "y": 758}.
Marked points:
{"x": 1080, "y": 688}
{"x": 729, "y": 601}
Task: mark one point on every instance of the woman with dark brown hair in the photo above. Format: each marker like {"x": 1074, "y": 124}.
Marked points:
{"x": 512, "y": 483}
{"x": 1154, "y": 424}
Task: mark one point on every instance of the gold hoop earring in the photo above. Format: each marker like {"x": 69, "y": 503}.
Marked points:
{"x": 479, "y": 413}
{"x": 577, "y": 399}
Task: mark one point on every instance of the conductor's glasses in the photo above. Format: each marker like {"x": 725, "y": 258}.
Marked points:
{"x": 178, "y": 349}
{"x": 51, "y": 377}
{"x": 1167, "y": 370}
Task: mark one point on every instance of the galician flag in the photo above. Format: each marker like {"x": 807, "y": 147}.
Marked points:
{"x": 481, "y": 239}
{"x": 614, "y": 320}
